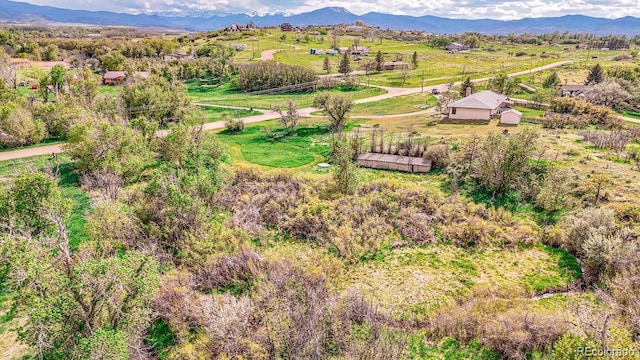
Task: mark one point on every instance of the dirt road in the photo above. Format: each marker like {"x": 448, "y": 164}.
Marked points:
{"x": 270, "y": 115}
{"x": 22, "y": 153}
{"x": 268, "y": 54}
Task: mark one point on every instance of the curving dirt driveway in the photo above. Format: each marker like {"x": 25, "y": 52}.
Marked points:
{"x": 268, "y": 54}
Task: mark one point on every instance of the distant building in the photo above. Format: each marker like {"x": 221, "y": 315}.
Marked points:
{"x": 393, "y": 65}
{"x": 119, "y": 77}
{"x": 354, "y": 28}
{"x": 239, "y": 47}
{"x": 479, "y": 106}
{"x": 359, "y": 50}
{"x": 175, "y": 56}
{"x": 286, "y": 27}
{"x": 455, "y": 47}
{"x": 234, "y": 28}
{"x": 573, "y": 90}
{"x": 113, "y": 77}
{"x": 360, "y": 23}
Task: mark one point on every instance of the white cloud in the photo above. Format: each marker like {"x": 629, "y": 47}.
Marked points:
{"x": 476, "y": 9}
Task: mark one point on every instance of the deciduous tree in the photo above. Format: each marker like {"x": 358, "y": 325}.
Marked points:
{"x": 336, "y": 106}
{"x": 289, "y": 118}
{"x": 344, "y": 174}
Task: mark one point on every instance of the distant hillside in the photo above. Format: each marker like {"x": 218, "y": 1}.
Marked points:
{"x": 21, "y": 12}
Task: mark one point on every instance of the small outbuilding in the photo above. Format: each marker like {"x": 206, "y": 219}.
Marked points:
{"x": 393, "y": 65}
{"x": 113, "y": 77}
{"x": 510, "y": 117}
{"x": 394, "y": 162}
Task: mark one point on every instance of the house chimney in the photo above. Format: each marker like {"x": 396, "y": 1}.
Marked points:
{"x": 468, "y": 91}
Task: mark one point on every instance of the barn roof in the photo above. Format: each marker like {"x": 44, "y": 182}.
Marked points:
{"x": 114, "y": 75}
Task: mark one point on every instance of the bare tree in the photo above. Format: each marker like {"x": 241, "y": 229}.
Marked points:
{"x": 288, "y": 119}
{"x": 607, "y": 93}
{"x": 336, "y": 106}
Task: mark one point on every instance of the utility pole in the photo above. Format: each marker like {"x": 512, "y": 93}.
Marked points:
{"x": 422, "y": 90}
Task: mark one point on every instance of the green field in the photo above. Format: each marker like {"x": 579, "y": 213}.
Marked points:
{"x": 222, "y": 113}
{"x": 396, "y": 105}
{"x": 267, "y": 145}
{"x": 437, "y": 66}
{"x": 225, "y": 95}
{"x": 530, "y": 113}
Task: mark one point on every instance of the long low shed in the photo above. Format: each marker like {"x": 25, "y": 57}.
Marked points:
{"x": 395, "y": 162}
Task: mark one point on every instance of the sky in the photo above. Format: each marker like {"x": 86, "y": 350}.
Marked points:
{"x": 469, "y": 9}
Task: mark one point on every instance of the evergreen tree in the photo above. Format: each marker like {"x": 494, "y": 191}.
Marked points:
{"x": 414, "y": 60}
{"x": 467, "y": 83}
{"x": 551, "y": 81}
{"x": 379, "y": 61}
{"x": 326, "y": 65}
{"x": 345, "y": 66}
{"x": 596, "y": 75}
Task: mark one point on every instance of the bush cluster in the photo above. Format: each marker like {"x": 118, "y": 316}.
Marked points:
{"x": 263, "y": 75}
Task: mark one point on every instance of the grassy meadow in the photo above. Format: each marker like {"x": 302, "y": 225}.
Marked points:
{"x": 225, "y": 95}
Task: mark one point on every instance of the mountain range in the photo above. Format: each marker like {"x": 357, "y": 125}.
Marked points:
{"x": 18, "y": 12}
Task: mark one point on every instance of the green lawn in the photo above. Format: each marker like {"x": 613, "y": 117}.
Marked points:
{"x": 530, "y": 113}
{"x": 396, "y": 105}
{"x": 221, "y": 113}
{"x": 224, "y": 95}
{"x": 111, "y": 90}
{"x": 267, "y": 145}
{"x": 632, "y": 114}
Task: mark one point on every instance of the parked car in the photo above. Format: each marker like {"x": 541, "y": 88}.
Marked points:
{"x": 435, "y": 91}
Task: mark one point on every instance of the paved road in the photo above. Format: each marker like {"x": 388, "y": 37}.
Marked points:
{"x": 270, "y": 115}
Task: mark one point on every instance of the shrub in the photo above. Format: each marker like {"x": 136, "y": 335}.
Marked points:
{"x": 518, "y": 333}
{"x": 578, "y": 226}
{"x": 439, "y": 156}
{"x": 614, "y": 140}
{"x": 350, "y": 83}
{"x": 18, "y": 128}
{"x": 597, "y": 114}
{"x": 233, "y": 273}
{"x": 513, "y": 333}
{"x": 605, "y": 253}
{"x": 559, "y": 121}
{"x": 234, "y": 124}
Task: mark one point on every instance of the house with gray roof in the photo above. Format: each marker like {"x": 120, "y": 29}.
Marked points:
{"x": 483, "y": 105}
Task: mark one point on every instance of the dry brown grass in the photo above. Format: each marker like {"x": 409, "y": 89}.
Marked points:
{"x": 419, "y": 281}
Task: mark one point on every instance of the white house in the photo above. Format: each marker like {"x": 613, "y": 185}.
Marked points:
{"x": 479, "y": 106}
{"x": 510, "y": 117}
